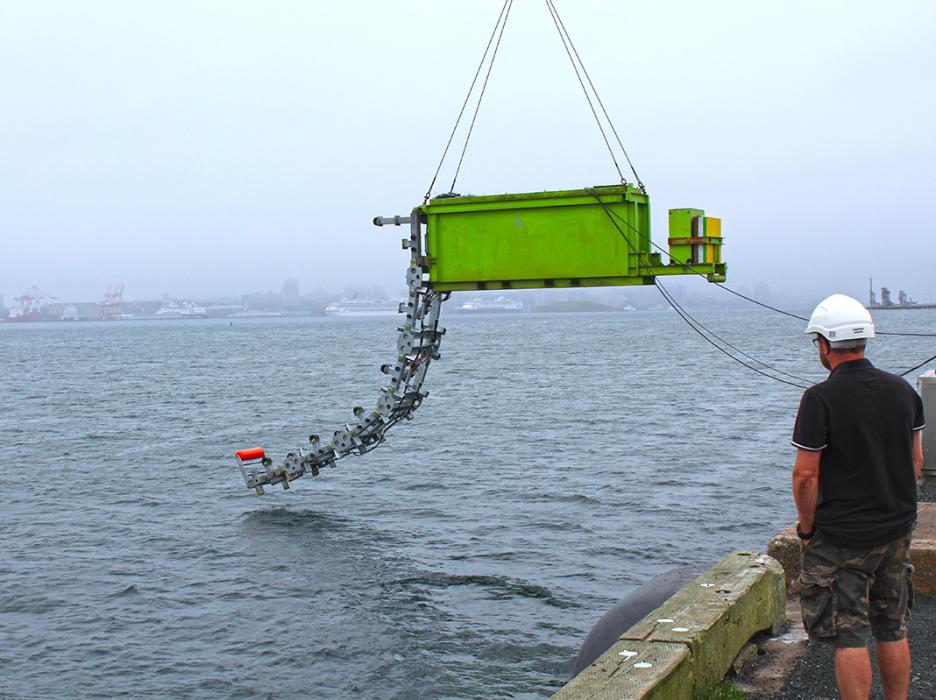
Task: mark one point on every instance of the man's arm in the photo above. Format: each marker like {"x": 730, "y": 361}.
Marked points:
{"x": 918, "y": 454}
{"x": 806, "y": 486}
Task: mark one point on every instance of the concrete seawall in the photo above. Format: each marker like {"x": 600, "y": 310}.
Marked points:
{"x": 785, "y": 548}
{"x": 687, "y": 645}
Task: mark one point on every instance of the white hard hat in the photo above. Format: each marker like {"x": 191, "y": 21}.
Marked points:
{"x": 841, "y": 320}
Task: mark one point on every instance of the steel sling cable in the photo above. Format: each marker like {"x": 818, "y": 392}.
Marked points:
{"x": 755, "y": 301}
{"x": 560, "y": 26}
{"x": 588, "y": 99}
{"x": 702, "y": 330}
{"x": 922, "y": 364}
{"x": 484, "y": 85}
{"x": 697, "y": 326}
{"x": 461, "y": 112}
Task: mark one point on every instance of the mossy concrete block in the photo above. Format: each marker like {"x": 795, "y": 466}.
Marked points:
{"x": 717, "y": 614}
{"x": 785, "y": 548}
{"x": 692, "y": 640}
{"x": 632, "y": 670}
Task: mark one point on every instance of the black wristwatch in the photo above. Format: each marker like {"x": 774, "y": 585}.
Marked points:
{"x": 804, "y": 535}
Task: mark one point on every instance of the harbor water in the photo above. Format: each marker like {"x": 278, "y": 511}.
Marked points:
{"x": 559, "y": 461}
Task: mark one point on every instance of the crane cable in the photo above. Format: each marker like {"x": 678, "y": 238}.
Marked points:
{"x": 693, "y": 323}
{"x": 614, "y": 215}
{"x": 484, "y": 85}
{"x": 565, "y": 36}
{"x": 504, "y": 8}
{"x": 573, "y": 55}
{"x": 768, "y": 306}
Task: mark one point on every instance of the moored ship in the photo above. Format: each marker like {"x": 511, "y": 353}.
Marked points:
{"x": 364, "y": 307}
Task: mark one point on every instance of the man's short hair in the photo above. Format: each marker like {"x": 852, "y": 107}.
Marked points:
{"x": 857, "y": 343}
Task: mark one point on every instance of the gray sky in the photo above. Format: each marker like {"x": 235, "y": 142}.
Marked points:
{"x": 217, "y": 147}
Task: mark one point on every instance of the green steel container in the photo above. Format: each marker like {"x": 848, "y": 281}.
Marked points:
{"x": 591, "y": 237}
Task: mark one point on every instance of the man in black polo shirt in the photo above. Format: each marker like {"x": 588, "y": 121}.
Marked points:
{"x": 859, "y": 457}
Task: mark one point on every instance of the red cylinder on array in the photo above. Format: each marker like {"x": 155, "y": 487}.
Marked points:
{"x": 250, "y": 453}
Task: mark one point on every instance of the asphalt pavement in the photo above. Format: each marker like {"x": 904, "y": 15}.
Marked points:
{"x": 813, "y": 678}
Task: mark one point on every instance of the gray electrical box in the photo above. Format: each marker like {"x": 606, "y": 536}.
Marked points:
{"x": 927, "y": 384}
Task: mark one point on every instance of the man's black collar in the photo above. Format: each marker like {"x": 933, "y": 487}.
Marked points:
{"x": 852, "y": 366}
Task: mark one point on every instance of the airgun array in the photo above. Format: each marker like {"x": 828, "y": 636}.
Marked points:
{"x": 579, "y": 238}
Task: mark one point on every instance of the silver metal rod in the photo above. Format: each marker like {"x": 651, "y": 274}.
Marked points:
{"x": 391, "y": 220}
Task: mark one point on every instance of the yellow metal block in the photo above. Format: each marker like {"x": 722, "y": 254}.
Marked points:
{"x": 712, "y": 227}
{"x": 712, "y": 230}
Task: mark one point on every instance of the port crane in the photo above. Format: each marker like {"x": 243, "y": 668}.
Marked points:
{"x": 110, "y": 304}
{"x": 32, "y": 303}
{"x": 596, "y": 236}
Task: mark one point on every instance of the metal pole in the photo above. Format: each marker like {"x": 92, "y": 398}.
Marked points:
{"x": 927, "y": 385}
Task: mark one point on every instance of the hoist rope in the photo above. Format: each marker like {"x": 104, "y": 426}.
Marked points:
{"x": 578, "y": 66}
{"x": 564, "y": 34}
{"x": 461, "y": 112}
{"x": 702, "y": 330}
{"x": 694, "y": 324}
{"x": 614, "y": 215}
{"x": 591, "y": 106}
{"x": 484, "y": 85}
{"x": 913, "y": 369}
{"x": 755, "y": 301}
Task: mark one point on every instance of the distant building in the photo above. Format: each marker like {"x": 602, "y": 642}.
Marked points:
{"x": 290, "y": 293}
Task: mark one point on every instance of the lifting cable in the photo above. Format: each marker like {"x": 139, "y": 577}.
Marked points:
{"x": 577, "y": 66}
{"x": 702, "y": 331}
{"x": 612, "y": 215}
{"x": 693, "y": 323}
{"x": 768, "y": 306}
{"x": 566, "y": 37}
{"x": 487, "y": 76}
{"x": 747, "y": 298}
{"x": 803, "y": 318}
{"x": 500, "y": 18}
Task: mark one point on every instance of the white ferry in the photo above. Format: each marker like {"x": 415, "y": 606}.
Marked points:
{"x": 184, "y": 310}
{"x": 364, "y": 307}
{"x": 491, "y": 305}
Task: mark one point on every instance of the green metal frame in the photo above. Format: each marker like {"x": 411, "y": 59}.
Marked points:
{"x": 573, "y": 238}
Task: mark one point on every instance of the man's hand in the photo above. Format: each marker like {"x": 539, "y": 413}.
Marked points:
{"x": 806, "y": 487}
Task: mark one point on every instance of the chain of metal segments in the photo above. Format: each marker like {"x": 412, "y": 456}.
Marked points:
{"x": 417, "y": 345}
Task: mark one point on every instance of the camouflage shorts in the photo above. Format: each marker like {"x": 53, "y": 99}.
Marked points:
{"x": 849, "y": 594}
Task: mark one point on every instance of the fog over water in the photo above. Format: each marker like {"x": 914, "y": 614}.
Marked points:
{"x": 209, "y": 148}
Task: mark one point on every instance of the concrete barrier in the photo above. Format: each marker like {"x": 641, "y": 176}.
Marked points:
{"x": 785, "y": 548}
{"x": 687, "y": 645}
{"x": 926, "y": 383}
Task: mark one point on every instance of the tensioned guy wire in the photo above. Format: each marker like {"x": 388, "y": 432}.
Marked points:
{"x": 484, "y": 85}
{"x": 612, "y": 213}
{"x": 461, "y": 112}
{"x": 747, "y": 298}
{"x": 694, "y": 324}
{"x": 562, "y": 37}
{"x": 561, "y": 28}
